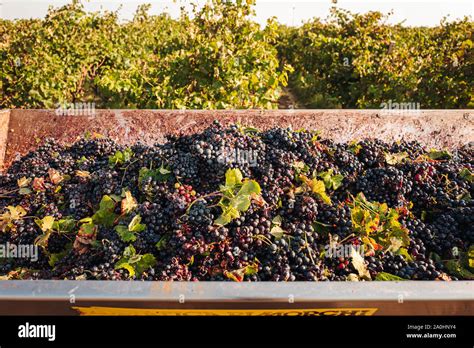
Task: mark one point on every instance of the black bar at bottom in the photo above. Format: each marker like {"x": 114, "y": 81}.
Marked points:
{"x": 429, "y": 331}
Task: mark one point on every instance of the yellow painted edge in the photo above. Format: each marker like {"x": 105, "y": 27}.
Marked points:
{"x": 226, "y": 312}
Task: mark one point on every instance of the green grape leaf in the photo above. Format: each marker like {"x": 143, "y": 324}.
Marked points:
{"x": 240, "y": 203}
{"x": 135, "y": 225}
{"x": 277, "y": 220}
{"x": 439, "y": 155}
{"x": 331, "y": 181}
{"x": 120, "y": 157}
{"x": 125, "y": 234}
{"x": 161, "y": 244}
{"x": 466, "y": 175}
{"x": 54, "y": 258}
{"x": 354, "y": 147}
{"x": 455, "y": 268}
{"x": 24, "y": 191}
{"x": 161, "y": 174}
{"x": 250, "y": 187}
{"x": 233, "y": 177}
{"x": 277, "y": 232}
{"x": 135, "y": 263}
{"x": 384, "y": 276}
{"x": 105, "y": 215}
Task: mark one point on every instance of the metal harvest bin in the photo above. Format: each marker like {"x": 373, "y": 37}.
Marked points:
{"x": 21, "y": 131}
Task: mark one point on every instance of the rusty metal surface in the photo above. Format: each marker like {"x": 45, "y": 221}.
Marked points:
{"x": 4, "y": 127}
{"x": 434, "y": 128}
{"x": 44, "y": 297}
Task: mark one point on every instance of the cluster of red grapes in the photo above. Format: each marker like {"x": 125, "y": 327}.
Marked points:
{"x": 174, "y": 192}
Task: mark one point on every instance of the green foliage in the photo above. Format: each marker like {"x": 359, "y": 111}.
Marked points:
{"x": 456, "y": 268}
{"x": 331, "y": 181}
{"x": 439, "y": 154}
{"x": 161, "y": 244}
{"x": 466, "y": 175}
{"x": 396, "y": 158}
{"x": 314, "y": 186}
{"x": 378, "y": 226}
{"x": 360, "y": 61}
{"x": 384, "y": 276}
{"x": 49, "y": 225}
{"x": 128, "y": 233}
{"x": 105, "y": 214}
{"x": 56, "y": 257}
{"x": 277, "y": 231}
{"x": 120, "y": 157}
{"x": 160, "y": 174}
{"x": 214, "y": 57}
{"x": 237, "y": 195}
{"x": 135, "y": 263}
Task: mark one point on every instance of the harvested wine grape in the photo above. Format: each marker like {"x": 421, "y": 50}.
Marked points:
{"x": 239, "y": 204}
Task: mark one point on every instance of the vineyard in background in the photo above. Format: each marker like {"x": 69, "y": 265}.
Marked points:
{"x": 217, "y": 57}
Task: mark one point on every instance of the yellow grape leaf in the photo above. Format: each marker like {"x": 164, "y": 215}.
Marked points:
{"x": 128, "y": 203}
{"x": 23, "y": 182}
{"x": 55, "y": 176}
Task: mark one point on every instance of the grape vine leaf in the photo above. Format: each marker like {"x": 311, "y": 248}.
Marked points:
{"x": 300, "y": 167}
{"x": 128, "y": 233}
{"x": 315, "y": 186}
{"x": 249, "y": 187}
{"x": 396, "y": 158}
{"x": 439, "y": 154}
{"x": 358, "y": 262}
{"x": 135, "y": 263}
{"x": 455, "y": 268}
{"x": 54, "y": 176}
{"x": 23, "y": 182}
{"x": 128, "y": 203}
{"x": 160, "y": 174}
{"x": 161, "y": 244}
{"x": 46, "y": 223}
{"x": 331, "y": 181}
{"x": 237, "y": 195}
{"x": 276, "y": 229}
{"x": 354, "y": 147}
{"x": 8, "y": 217}
{"x": 105, "y": 215}
{"x": 233, "y": 177}
{"x": 38, "y": 184}
{"x": 54, "y": 258}
{"x": 384, "y": 276}
{"x": 467, "y": 175}
{"x": 120, "y": 157}
{"x": 377, "y": 225}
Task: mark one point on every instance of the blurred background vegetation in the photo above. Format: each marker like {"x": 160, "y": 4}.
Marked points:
{"x": 216, "y": 57}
